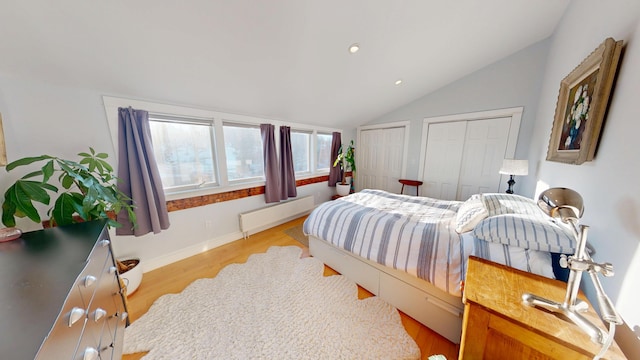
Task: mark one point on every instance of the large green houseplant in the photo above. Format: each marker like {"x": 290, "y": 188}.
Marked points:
{"x": 345, "y": 159}
{"x": 87, "y": 191}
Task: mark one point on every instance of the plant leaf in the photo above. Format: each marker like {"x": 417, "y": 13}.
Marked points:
{"x": 32, "y": 174}
{"x": 8, "y": 210}
{"x": 102, "y": 155}
{"x": 26, "y": 161}
{"x": 23, "y": 193}
{"x": 64, "y": 209}
{"x": 47, "y": 171}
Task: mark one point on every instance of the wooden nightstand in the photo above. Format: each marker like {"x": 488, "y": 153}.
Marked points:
{"x": 497, "y": 325}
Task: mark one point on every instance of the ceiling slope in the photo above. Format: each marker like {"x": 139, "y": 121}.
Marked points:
{"x": 281, "y": 59}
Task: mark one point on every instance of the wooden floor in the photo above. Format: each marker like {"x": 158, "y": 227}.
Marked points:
{"x": 175, "y": 277}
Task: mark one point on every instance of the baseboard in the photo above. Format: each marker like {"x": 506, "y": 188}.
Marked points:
{"x": 160, "y": 261}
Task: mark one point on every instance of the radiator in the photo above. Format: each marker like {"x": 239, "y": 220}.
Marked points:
{"x": 257, "y": 220}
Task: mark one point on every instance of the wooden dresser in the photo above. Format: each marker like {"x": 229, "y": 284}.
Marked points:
{"x": 61, "y": 296}
{"x": 497, "y": 325}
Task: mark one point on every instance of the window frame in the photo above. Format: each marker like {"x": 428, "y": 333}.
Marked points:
{"x": 111, "y": 105}
{"x": 208, "y": 122}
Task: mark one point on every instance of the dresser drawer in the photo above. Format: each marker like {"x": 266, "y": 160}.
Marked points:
{"x": 63, "y": 339}
{"x": 90, "y": 324}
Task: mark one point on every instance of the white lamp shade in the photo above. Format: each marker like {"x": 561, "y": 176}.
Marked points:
{"x": 514, "y": 167}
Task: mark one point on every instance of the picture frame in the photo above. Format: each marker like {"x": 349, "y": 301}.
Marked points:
{"x": 3, "y": 148}
{"x": 582, "y": 104}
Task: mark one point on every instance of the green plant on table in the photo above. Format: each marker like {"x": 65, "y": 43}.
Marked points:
{"x": 88, "y": 191}
{"x": 344, "y": 158}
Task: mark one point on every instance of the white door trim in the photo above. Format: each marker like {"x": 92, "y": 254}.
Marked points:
{"x": 516, "y": 117}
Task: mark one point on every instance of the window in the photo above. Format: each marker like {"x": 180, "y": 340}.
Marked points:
{"x": 201, "y": 151}
{"x": 243, "y": 149}
{"x": 184, "y": 151}
{"x": 301, "y": 151}
{"x": 323, "y": 152}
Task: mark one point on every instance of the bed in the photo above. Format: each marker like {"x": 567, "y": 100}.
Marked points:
{"x": 412, "y": 251}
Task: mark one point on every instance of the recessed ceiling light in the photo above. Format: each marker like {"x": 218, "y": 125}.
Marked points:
{"x": 398, "y": 82}
{"x": 354, "y": 48}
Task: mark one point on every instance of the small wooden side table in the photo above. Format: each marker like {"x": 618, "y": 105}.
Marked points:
{"x": 497, "y": 325}
{"x": 407, "y": 182}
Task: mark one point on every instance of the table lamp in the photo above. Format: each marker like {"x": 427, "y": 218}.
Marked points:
{"x": 512, "y": 168}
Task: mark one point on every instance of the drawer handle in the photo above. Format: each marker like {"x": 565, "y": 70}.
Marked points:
{"x": 75, "y": 315}
{"x": 123, "y": 316}
{"x": 444, "y": 306}
{"x": 90, "y": 354}
{"x": 98, "y": 314}
{"x": 89, "y": 280}
{"x": 104, "y": 242}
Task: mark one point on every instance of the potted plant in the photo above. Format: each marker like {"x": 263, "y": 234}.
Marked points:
{"x": 345, "y": 158}
{"x": 88, "y": 191}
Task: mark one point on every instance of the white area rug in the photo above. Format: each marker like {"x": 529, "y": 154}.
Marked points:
{"x": 275, "y": 306}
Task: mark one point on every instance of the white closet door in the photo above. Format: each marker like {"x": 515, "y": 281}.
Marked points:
{"x": 368, "y": 155}
{"x": 380, "y": 155}
{"x": 445, "y": 145}
{"x": 484, "y": 150}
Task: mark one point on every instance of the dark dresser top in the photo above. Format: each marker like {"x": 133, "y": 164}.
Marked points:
{"x": 36, "y": 273}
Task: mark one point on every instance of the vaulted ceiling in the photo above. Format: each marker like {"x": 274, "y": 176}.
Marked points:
{"x": 281, "y": 59}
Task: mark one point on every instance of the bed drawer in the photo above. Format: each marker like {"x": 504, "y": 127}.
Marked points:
{"x": 439, "y": 315}
{"x": 348, "y": 265}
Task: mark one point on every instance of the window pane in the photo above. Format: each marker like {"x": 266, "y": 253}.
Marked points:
{"x": 300, "y": 145}
{"x": 323, "y": 152}
{"x": 243, "y": 147}
{"x": 184, "y": 153}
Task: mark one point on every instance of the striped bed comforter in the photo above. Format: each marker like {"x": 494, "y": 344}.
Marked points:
{"x": 413, "y": 234}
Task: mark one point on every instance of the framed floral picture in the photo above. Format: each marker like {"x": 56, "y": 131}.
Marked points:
{"x": 582, "y": 104}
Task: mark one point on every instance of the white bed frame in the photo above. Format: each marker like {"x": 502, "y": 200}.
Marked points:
{"x": 436, "y": 309}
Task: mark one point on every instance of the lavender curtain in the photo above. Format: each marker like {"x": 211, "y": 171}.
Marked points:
{"x": 271, "y": 168}
{"x": 139, "y": 176}
{"x": 287, "y": 173}
{"x": 335, "y": 173}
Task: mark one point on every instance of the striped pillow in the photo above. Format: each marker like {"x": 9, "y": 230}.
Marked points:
{"x": 526, "y": 231}
{"x": 470, "y": 213}
{"x": 501, "y": 203}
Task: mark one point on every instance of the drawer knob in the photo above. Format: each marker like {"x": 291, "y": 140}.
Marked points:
{"x": 104, "y": 242}
{"x": 112, "y": 270}
{"x": 89, "y": 280}
{"x": 98, "y": 314}
{"x": 123, "y": 316}
{"x": 75, "y": 315}
{"x": 90, "y": 354}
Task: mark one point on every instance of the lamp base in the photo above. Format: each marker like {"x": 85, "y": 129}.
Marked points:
{"x": 596, "y": 334}
{"x": 511, "y": 182}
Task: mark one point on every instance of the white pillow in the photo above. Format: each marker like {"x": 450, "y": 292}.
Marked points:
{"x": 526, "y": 231}
{"x": 470, "y": 213}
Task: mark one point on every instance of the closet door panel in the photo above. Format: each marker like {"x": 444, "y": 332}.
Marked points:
{"x": 381, "y": 157}
{"x": 484, "y": 150}
{"x": 368, "y": 154}
{"x": 392, "y": 166}
{"x": 445, "y": 145}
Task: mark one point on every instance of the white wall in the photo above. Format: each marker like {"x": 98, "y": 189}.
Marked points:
{"x": 511, "y": 82}
{"x": 609, "y": 184}
{"x": 41, "y": 118}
